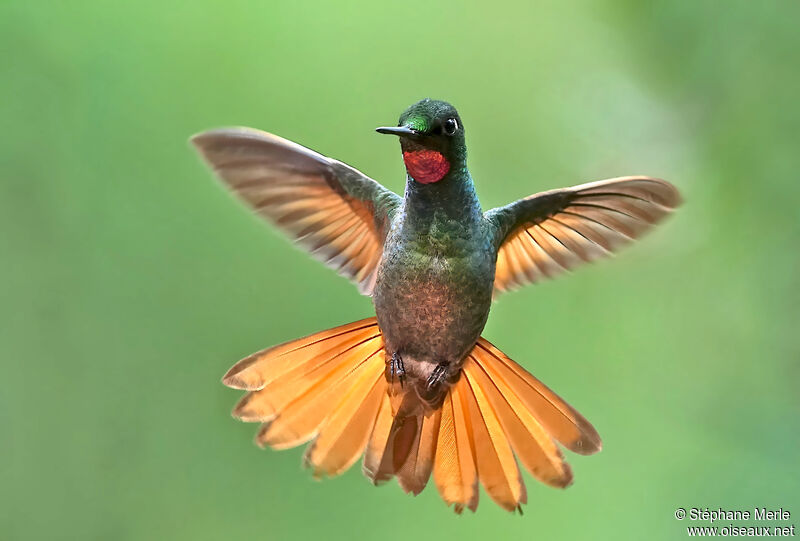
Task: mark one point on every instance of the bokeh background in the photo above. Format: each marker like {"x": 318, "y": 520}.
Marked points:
{"x": 130, "y": 281}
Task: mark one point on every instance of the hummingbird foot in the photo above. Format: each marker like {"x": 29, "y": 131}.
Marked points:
{"x": 438, "y": 376}
{"x": 396, "y": 368}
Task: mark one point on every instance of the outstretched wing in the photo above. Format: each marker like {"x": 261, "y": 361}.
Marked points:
{"x": 550, "y": 232}
{"x": 336, "y": 212}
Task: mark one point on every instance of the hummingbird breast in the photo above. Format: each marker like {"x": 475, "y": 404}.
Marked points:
{"x": 433, "y": 293}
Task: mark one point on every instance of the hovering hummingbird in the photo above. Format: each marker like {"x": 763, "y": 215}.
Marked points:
{"x": 416, "y": 390}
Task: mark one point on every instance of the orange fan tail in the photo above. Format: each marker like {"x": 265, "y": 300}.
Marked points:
{"x": 330, "y": 387}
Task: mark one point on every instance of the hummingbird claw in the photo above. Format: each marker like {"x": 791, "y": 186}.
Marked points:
{"x": 396, "y": 368}
{"x": 438, "y": 376}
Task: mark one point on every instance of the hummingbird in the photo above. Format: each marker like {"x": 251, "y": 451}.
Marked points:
{"x": 416, "y": 390}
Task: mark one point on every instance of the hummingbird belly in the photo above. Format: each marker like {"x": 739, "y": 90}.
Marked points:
{"x": 432, "y": 308}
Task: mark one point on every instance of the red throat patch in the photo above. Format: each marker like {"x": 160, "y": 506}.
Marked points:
{"x": 426, "y": 166}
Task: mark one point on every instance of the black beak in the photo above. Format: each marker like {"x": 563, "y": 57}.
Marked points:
{"x": 399, "y": 130}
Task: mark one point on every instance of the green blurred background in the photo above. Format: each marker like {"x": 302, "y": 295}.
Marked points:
{"x": 130, "y": 281}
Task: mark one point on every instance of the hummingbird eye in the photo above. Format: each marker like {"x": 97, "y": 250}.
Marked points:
{"x": 450, "y": 126}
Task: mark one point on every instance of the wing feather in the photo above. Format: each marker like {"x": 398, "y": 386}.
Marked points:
{"x": 551, "y": 232}
{"x": 323, "y": 204}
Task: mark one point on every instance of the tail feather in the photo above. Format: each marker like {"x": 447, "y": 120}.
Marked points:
{"x": 532, "y": 444}
{"x": 344, "y": 434}
{"x": 264, "y": 404}
{"x": 455, "y": 469}
{"x": 565, "y": 424}
{"x": 261, "y": 368}
{"x": 447, "y": 466}
{"x": 284, "y": 372}
{"x": 402, "y": 443}
{"x": 495, "y": 412}
{"x": 497, "y": 469}
{"x": 299, "y": 420}
{"x": 415, "y": 471}
{"x": 373, "y": 456}
{"x": 293, "y": 384}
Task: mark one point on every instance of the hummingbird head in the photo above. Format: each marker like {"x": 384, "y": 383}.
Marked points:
{"x": 432, "y": 139}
